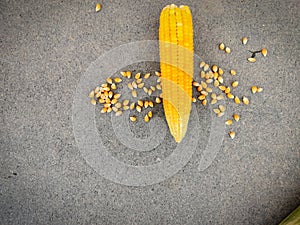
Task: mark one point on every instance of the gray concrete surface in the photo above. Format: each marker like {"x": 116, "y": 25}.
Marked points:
{"x": 46, "y": 46}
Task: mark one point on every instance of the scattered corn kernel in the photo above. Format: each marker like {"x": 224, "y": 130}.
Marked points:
{"x": 158, "y": 100}
{"x": 138, "y": 108}
{"x": 220, "y": 114}
{"x": 222, "y": 108}
{"x": 92, "y": 94}
{"x": 228, "y": 122}
{"x": 93, "y": 102}
{"x": 245, "y": 100}
{"x": 149, "y": 114}
{"x": 201, "y": 97}
{"x": 254, "y": 89}
{"x": 202, "y": 64}
{"x": 216, "y": 110}
{"x": 206, "y": 67}
{"x": 234, "y": 83}
{"x": 232, "y": 134}
{"x": 227, "y": 50}
{"x": 151, "y": 104}
{"x": 133, "y": 118}
{"x": 264, "y": 52}
{"x": 204, "y": 102}
{"x": 129, "y": 85}
{"x": 236, "y": 117}
{"x": 132, "y": 106}
{"x": 140, "y": 103}
{"x": 194, "y": 99}
{"x": 221, "y": 46}
{"x": 109, "y": 80}
{"x": 244, "y": 40}
{"x": 141, "y": 85}
{"x": 220, "y": 71}
{"x": 123, "y": 73}
{"x": 220, "y": 97}
{"x": 216, "y": 83}
{"x": 214, "y": 68}
{"x": 146, "y": 118}
{"x": 227, "y": 90}
{"x": 158, "y": 87}
{"x": 157, "y": 73}
{"x": 260, "y": 89}
{"x": 147, "y": 75}
{"x": 118, "y": 80}
{"x": 252, "y": 60}
{"x": 103, "y": 110}
{"x": 229, "y": 95}
{"x": 237, "y": 100}
{"x": 117, "y": 96}
{"x": 134, "y": 94}
{"x": 137, "y": 76}
{"x": 113, "y": 86}
{"x": 119, "y": 113}
{"x": 233, "y": 72}
{"x": 213, "y": 101}
{"x": 98, "y": 7}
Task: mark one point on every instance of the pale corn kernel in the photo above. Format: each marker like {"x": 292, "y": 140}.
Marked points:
{"x": 126, "y": 102}
{"x": 134, "y": 84}
{"x": 158, "y": 87}
{"x": 206, "y": 67}
{"x": 216, "y": 110}
{"x": 109, "y": 80}
{"x": 228, "y": 122}
{"x": 221, "y": 46}
{"x": 227, "y": 50}
{"x": 133, "y": 118}
{"x": 140, "y": 103}
{"x": 220, "y": 114}
{"x": 141, "y": 85}
{"x": 233, "y": 72}
{"x": 158, "y": 100}
{"x": 213, "y": 95}
{"x": 220, "y": 97}
{"x": 213, "y": 101}
{"x": 222, "y": 108}
{"x": 115, "y": 109}
{"x": 204, "y": 102}
{"x": 92, "y": 94}
{"x": 245, "y": 100}
{"x": 129, "y": 85}
{"x": 132, "y": 106}
{"x": 260, "y": 89}
{"x": 113, "y": 86}
{"x": 220, "y": 71}
{"x": 123, "y": 73}
{"x": 125, "y": 107}
{"x": 138, "y": 108}
{"x": 201, "y": 97}
{"x": 157, "y": 73}
{"x": 147, "y": 75}
{"x": 252, "y": 60}
{"x": 134, "y": 94}
{"x": 234, "y": 83}
{"x": 216, "y": 83}
{"x": 119, "y": 113}
{"x": 93, "y": 102}
{"x": 202, "y": 64}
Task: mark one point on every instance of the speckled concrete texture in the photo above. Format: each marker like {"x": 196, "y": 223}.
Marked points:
{"x": 46, "y": 46}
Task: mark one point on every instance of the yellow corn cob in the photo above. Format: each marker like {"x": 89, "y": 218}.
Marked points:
{"x": 177, "y": 66}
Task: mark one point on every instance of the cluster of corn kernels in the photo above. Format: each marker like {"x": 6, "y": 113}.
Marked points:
{"x": 106, "y": 95}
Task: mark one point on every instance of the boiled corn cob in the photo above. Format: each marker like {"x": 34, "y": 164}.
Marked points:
{"x": 177, "y": 66}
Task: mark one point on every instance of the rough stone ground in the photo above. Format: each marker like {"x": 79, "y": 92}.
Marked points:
{"x": 46, "y": 46}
